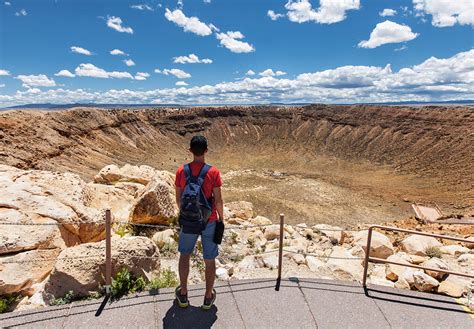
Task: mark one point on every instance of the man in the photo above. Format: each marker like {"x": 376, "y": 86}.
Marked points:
{"x": 211, "y": 188}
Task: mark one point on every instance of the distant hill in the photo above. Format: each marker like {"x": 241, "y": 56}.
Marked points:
{"x": 50, "y": 106}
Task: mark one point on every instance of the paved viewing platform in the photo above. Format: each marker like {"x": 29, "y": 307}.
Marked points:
{"x": 303, "y": 303}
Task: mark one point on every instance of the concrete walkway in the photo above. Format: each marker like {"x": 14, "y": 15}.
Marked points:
{"x": 307, "y": 303}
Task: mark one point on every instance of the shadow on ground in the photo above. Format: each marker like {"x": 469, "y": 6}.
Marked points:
{"x": 190, "y": 317}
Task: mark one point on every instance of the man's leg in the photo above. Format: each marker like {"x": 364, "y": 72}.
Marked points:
{"x": 210, "y": 276}
{"x": 185, "y": 248}
{"x": 210, "y": 252}
{"x": 184, "y": 272}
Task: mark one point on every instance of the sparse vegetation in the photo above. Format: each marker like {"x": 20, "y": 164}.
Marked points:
{"x": 125, "y": 282}
{"x": 167, "y": 279}
{"x": 233, "y": 237}
{"x": 6, "y": 302}
{"x": 433, "y": 252}
{"x": 66, "y": 299}
{"x": 124, "y": 229}
{"x": 169, "y": 249}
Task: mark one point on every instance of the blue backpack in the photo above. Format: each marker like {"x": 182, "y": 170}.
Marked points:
{"x": 195, "y": 209}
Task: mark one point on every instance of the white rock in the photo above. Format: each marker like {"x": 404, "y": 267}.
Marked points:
{"x": 417, "y": 244}
{"x": 298, "y": 259}
{"x": 257, "y": 239}
{"x": 163, "y": 237}
{"x": 270, "y": 261}
{"x": 407, "y": 276}
{"x": 222, "y": 274}
{"x": 454, "y": 286}
{"x": 314, "y": 264}
{"x": 393, "y": 271}
{"x": 424, "y": 282}
{"x": 335, "y": 233}
{"x": 380, "y": 245}
{"x": 348, "y": 267}
{"x": 247, "y": 263}
{"x": 436, "y": 263}
{"x": 272, "y": 232}
{"x": 466, "y": 259}
{"x": 454, "y": 250}
{"x": 382, "y": 282}
{"x": 260, "y": 220}
{"x": 469, "y": 245}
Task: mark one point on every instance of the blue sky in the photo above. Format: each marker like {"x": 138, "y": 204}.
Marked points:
{"x": 329, "y": 51}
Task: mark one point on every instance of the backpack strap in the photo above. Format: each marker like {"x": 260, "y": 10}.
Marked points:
{"x": 187, "y": 172}
{"x": 204, "y": 170}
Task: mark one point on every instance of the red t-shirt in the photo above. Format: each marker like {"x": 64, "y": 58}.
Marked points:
{"x": 212, "y": 179}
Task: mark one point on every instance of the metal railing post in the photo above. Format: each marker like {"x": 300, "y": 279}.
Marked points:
{"x": 366, "y": 258}
{"x": 280, "y": 252}
{"x": 108, "y": 252}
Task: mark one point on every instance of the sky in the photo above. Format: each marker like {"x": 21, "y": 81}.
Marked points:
{"x": 235, "y": 51}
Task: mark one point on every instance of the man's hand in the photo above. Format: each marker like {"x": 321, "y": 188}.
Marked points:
{"x": 219, "y": 203}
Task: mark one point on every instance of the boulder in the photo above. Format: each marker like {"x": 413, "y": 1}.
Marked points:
{"x": 256, "y": 239}
{"x": 424, "y": 282}
{"x": 380, "y": 245}
{"x": 417, "y": 244}
{"x": 393, "y": 271}
{"x": 241, "y": 209}
{"x": 345, "y": 265}
{"x": 314, "y": 264}
{"x": 436, "y": 263}
{"x": 222, "y": 274}
{"x": 47, "y": 197}
{"x": 454, "y": 250}
{"x": 22, "y": 270}
{"x": 415, "y": 259}
{"x": 163, "y": 237}
{"x": 156, "y": 204}
{"x": 247, "y": 263}
{"x": 288, "y": 229}
{"x": 454, "y": 286}
{"x": 82, "y": 268}
{"x": 112, "y": 174}
{"x": 407, "y": 276}
{"x": 118, "y": 199}
{"x": 382, "y": 282}
{"x": 334, "y": 233}
{"x": 466, "y": 259}
{"x": 272, "y": 232}
{"x": 298, "y": 259}
{"x": 469, "y": 245}
{"x": 260, "y": 220}
{"x": 270, "y": 261}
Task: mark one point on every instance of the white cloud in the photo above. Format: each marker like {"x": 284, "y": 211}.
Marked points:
{"x": 388, "y": 12}
{"x": 80, "y": 50}
{"x": 142, "y": 7}
{"x": 118, "y": 52}
{"x": 250, "y": 72}
{"x": 2, "y": 85}
{"x": 21, "y": 13}
{"x": 7, "y": 3}
{"x": 116, "y": 24}
{"x": 274, "y": 16}
{"x": 231, "y": 42}
{"x": 176, "y": 72}
{"x": 129, "y": 62}
{"x": 40, "y": 80}
{"x": 270, "y": 73}
{"x": 65, "y": 73}
{"x": 181, "y": 83}
{"x": 329, "y": 11}
{"x": 446, "y": 12}
{"x": 207, "y": 1}
{"x": 90, "y": 70}
{"x": 388, "y": 32}
{"x": 434, "y": 79}
{"x": 189, "y": 24}
{"x": 191, "y": 59}
{"x": 4, "y": 72}
{"x": 401, "y": 48}
{"x": 142, "y": 76}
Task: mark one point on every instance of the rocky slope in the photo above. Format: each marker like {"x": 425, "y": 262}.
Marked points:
{"x": 371, "y": 156}
{"x": 41, "y": 262}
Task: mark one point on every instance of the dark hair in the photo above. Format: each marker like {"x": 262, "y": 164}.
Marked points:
{"x": 198, "y": 145}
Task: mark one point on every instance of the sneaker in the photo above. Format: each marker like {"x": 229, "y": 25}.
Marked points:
{"x": 208, "y": 302}
{"x": 182, "y": 299}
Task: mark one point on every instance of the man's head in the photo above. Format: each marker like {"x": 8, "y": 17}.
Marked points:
{"x": 198, "y": 145}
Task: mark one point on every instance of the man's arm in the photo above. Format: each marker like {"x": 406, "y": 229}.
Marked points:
{"x": 178, "y": 196}
{"x": 219, "y": 203}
